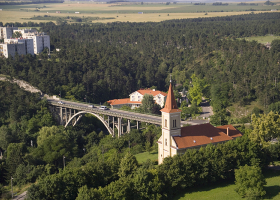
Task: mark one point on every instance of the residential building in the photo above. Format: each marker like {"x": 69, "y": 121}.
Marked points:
{"x": 40, "y": 41}
{"x": 12, "y": 49}
{"x": 136, "y": 97}
{"x": 27, "y": 42}
{"x": 25, "y": 31}
{"x": 176, "y": 139}
{"x": 7, "y": 32}
{"x": 34, "y": 42}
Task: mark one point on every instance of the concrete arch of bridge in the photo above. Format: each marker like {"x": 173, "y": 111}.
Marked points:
{"x": 110, "y": 130}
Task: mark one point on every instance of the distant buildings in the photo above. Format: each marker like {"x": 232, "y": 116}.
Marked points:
{"x": 11, "y": 49}
{"x": 30, "y": 42}
{"x": 7, "y": 32}
{"x": 136, "y": 98}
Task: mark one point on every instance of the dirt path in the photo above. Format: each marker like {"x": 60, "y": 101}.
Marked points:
{"x": 22, "y": 84}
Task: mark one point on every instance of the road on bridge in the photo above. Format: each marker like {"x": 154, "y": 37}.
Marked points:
{"x": 151, "y": 118}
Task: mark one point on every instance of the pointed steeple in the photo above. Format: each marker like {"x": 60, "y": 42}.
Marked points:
{"x": 170, "y": 104}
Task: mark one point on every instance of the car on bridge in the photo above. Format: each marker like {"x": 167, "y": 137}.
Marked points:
{"x": 103, "y": 108}
{"x": 60, "y": 102}
{"x": 91, "y": 106}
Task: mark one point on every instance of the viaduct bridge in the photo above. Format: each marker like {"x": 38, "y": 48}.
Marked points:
{"x": 69, "y": 113}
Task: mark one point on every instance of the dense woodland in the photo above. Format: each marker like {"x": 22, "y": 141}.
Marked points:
{"x": 98, "y": 62}
{"x": 107, "y": 61}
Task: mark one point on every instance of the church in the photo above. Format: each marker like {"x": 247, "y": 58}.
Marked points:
{"x": 176, "y": 139}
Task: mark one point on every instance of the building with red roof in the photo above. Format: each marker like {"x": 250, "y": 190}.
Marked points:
{"x": 136, "y": 97}
{"x": 176, "y": 139}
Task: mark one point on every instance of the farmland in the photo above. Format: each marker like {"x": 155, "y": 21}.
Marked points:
{"x": 124, "y": 12}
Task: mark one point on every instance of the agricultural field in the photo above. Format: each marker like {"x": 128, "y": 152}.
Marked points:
{"x": 123, "y": 12}
{"x": 225, "y": 190}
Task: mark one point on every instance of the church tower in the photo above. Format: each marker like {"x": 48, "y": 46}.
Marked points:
{"x": 171, "y": 126}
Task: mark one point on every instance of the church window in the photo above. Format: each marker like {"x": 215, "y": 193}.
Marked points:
{"x": 165, "y": 142}
{"x": 165, "y": 123}
{"x": 174, "y": 123}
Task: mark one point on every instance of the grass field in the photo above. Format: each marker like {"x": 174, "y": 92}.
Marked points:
{"x": 225, "y": 190}
{"x": 142, "y": 157}
{"x": 263, "y": 39}
{"x": 124, "y": 12}
{"x": 238, "y": 111}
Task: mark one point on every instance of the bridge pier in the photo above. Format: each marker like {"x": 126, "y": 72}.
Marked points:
{"x": 113, "y": 126}
{"x": 119, "y": 126}
{"x": 128, "y": 126}
{"x": 61, "y": 116}
{"x": 66, "y": 115}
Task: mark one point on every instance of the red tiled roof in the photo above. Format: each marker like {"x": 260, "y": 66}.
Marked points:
{"x": 233, "y": 132}
{"x": 202, "y": 134}
{"x": 170, "y": 104}
{"x": 122, "y": 101}
{"x": 151, "y": 92}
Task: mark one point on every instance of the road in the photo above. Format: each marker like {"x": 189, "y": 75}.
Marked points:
{"x": 206, "y": 110}
{"x": 116, "y": 112}
{"x": 22, "y": 196}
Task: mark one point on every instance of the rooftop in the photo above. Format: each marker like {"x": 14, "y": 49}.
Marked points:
{"x": 170, "y": 104}
{"x": 151, "y": 92}
{"x": 204, "y": 134}
{"x": 122, "y": 101}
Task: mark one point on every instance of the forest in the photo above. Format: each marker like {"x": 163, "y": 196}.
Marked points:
{"x": 110, "y": 61}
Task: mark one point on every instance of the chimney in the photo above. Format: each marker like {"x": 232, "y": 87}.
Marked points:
{"x": 227, "y": 131}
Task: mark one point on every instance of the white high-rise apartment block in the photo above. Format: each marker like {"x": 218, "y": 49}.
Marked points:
{"x": 27, "y": 42}
{"x": 40, "y": 40}
{"x": 7, "y": 32}
{"x": 31, "y": 41}
{"x": 11, "y": 49}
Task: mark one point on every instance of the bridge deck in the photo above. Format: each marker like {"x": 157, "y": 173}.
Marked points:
{"x": 118, "y": 113}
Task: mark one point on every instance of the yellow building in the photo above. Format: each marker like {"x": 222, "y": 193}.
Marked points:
{"x": 176, "y": 139}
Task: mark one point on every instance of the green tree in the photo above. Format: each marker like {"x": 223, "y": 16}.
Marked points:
{"x": 250, "y": 182}
{"x": 85, "y": 193}
{"x": 147, "y": 103}
{"x": 53, "y": 144}
{"x": 17, "y": 34}
{"x": 128, "y": 165}
{"x": 15, "y": 155}
{"x": 265, "y": 128}
{"x": 275, "y": 46}
{"x": 6, "y": 137}
{"x": 148, "y": 146}
{"x": 196, "y": 88}
{"x": 46, "y": 132}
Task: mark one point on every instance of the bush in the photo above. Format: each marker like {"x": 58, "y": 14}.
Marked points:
{"x": 249, "y": 182}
